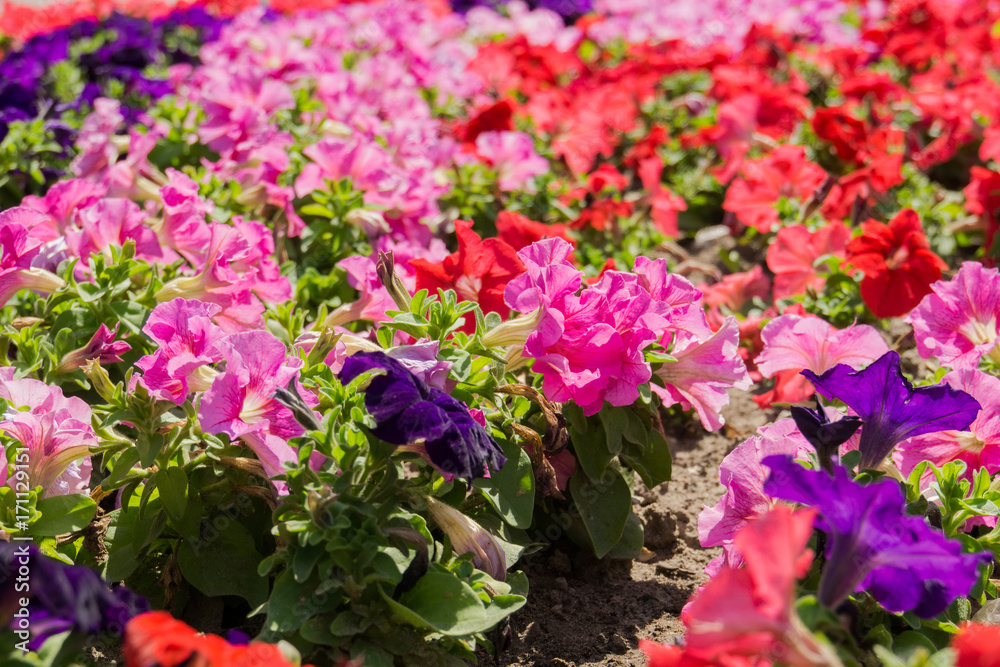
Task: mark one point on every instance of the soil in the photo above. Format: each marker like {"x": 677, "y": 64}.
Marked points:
{"x": 585, "y": 611}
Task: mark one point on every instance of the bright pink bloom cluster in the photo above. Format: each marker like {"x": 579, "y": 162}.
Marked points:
{"x": 588, "y": 345}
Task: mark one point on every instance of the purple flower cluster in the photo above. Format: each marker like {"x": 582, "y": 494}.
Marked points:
{"x": 61, "y": 597}
{"x": 408, "y": 412}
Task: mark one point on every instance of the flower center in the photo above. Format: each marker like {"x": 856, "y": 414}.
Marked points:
{"x": 468, "y": 287}
{"x": 979, "y": 332}
{"x": 897, "y": 258}
{"x": 254, "y": 410}
{"x": 968, "y": 442}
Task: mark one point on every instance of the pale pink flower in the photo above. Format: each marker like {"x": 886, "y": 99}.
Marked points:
{"x": 364, "y": 162}
{"x": 56, "y": 432}
{"x": 793, "y": 343}
{"x": 979, "y": 447}
{"x": 240, "y": 401}
{"x": 513, "y": 156}
{"x": 793, "y": 253}
{"x": 186, "y": 335}
{"x": 959, "y": 321}
{"x": 706, "y": 368}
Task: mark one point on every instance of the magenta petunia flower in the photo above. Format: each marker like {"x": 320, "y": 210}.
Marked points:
{"x": 102, "y": 347}
{"x": 959, "y": 321}
{"x": 186, "y": 336}
{"x": 109, "y": 222}
{"x": 240, "y": 401}
{"x": 20, "y": 247}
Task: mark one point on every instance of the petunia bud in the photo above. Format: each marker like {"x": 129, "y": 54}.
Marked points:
{"x": 372, "y": 223}
{"x": 100, "y": 379}
{"x": 102, "y": 347}
{"x": 825, "y": 436}
{"x": 467, "y": 536}
{"x": 386, "y": 269}
{"x": 513, "y": 332}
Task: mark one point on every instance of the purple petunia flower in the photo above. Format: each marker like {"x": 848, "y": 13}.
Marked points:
{"x": 407, "y": 412}
{"x": 61, "y": 597}
{"x": 874, "y": 545}
{"x": 890, "y": 408}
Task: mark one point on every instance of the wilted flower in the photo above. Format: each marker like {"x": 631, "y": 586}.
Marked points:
{"x": 874, "y": 544}
{"x": 467, "y": 536}
{"x": 62, "y": 598}
{"x": 890, "y": 408}
{"x": 408, "y": 412}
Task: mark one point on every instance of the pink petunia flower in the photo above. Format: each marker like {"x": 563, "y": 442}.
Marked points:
{"x": 110, "y": 222}
{"x": 102, "y": 347}
{"x": 60, "y": 204}
{"x": 793, "y": 343}
{"x": 56, "y": 432}
{"x": 186, "y": 335}
{"x": 706, "y": 368}
{"x": 735, "y": 289}
{"x": 979, "y": 447}
{"x": 182, "y": 226}
{"x": 240, "y": 401}
{"x": 959, "y": 321}
{"x": 793, "y": 254}
{"x": 96, "y": 151}
{"x": 743, "y": 475}
{"x": 513, "y": 156}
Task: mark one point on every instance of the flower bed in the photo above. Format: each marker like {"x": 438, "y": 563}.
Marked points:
{"x": 321, "y": 320}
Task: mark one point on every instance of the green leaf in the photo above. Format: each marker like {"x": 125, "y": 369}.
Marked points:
{"x": 652, "y": 460}
{"x": 291, "y": 603}
{"x": 444, "y": 603}
{"x": 590, "y": 441}
{"x": 511, "y": 490}
{"x": 63, "y": 514}
{"x": 224, "y": 563}
{"x": 615, "y": 422}
{"x": 604, "y": 505}
{"x": 173, "y": 486}
{"x": 630, "y": 545}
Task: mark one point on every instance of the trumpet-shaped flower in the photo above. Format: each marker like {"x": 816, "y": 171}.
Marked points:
{"x": 186, "y": 335}
{"x": 890, "y": 408}
{"x": 408, "y": 412}
{"x": 979, "y": 446}
{"x": 102, "y": 347}
{"x": 240, "y": 402}
{"x": 959, "y": 321}
{"x": 793, "y": 343}
{"x": 55, "y": 431}
{"x": 110, "y": 222}
{"x": 706, "y": 368}
{"x": 479, "y": 271}
{"x": 874, "y": 544}
{"x": 157, "y": 638}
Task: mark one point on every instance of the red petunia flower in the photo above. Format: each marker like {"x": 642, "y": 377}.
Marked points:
{"x": 497, "y": 117}
{"x": 898, "y": 264}
{"x": 479, "y": 271}
{"x": 784, "y": 173}
{"x": 157, "y": 639}
{"x": 664, "y": 205}
{"x": 601, "y": 213}
{"x": 976, "y": 646}
{"x": 982, "y": 198}
{"x": 519, "y": 231}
